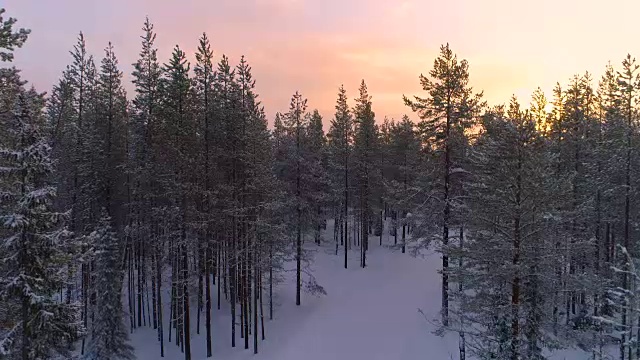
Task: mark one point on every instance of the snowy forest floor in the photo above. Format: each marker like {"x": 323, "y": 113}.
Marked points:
{"x": 368, "y": 314}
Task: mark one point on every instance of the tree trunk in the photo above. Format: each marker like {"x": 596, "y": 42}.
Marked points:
{"x": 404, "y": 235}
{"x": 255, "y": 308}
{"x": 139, "y": 289}
{"x": 232, "y": 293}
{"x": 85, "y": 280}
{"x": 445, "y": 222}
{"x": 185, "y": 302}
{"x": 395, "y": 227}
{"x": 207, "y": 274}
{"x": 462, "y": 344}
{"x": 154, "y": 304}
{"x": 159, "y": 299}
{"x": 346, "y": 194}
{"x": 131, "y": 284}
{"x": 270, "y": 281}
{"x": 261, "y": 308}
{"x": 221, "y": 266}
{"x": 381, "y": 223}
{"x": 515, "y": 286}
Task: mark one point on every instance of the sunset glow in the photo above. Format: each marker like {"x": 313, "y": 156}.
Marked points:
{"x": 314, "y": 46}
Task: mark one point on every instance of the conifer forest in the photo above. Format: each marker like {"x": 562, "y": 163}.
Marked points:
{"x": 180, "y": 210}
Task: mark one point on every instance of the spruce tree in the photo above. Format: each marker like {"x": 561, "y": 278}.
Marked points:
{"x": 35, "y": 242}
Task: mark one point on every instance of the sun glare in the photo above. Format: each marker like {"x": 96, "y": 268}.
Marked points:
{"x": 548, "y": 108}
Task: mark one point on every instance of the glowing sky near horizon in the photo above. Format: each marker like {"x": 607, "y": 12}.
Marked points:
{"x": 314, "y": 46}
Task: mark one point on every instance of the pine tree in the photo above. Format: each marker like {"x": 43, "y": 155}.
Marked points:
{"x": 507, "y": 258}
{"x": 73, "y": 116}
{"x": 403, "y": 169}
{"x": 621, "y": 138}
{"x": 204, "y": 77}
{"x": 295, "y": 123}
{"x": 226, "y": 106}
{"x": 450, "y": 108}
{"x": 340, "y": 138}
{"x": 110, "y": 127}
{"x": 178, "y": 128}
{"x": 109, "y": 336}
{"x": 538, "y": 110}
{"x": 365, "y": 156}
{"x": 316, "y": 142}
{"x": 143, "y": 165}
{"x": 260, "y": 199}
{"x": 10, "y": 39}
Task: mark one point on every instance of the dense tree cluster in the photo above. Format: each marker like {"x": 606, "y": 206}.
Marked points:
{"x": 117, "y": 209}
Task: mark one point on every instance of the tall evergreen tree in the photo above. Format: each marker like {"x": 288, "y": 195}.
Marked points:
{"x": 450, "y": 108}
{"x": 512, "y": 204}
{"x": 340, "y": 139}
{"x": 109, "y": 336}
{"x": 204, "y": 77}
{"x": 111, "y": 122}
{"x": 366, "y": 149}
{"x": 144, "y": 163}
{"x": 35, "y": 243}
{"x": 316, "y": 142}
{"x": 296, "y": 124}
{"x": 404, "y": 157}
{"x": 177, "y": 120}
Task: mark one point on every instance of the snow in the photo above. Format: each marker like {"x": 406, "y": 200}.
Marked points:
{"x": 370, "y": 313}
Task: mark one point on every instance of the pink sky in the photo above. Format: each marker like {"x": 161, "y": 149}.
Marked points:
{"x": 313, "y": 46}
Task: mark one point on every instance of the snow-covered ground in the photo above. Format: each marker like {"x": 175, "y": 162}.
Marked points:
{"x": 367, "y": 314}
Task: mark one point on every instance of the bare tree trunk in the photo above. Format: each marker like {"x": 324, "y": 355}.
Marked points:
{"x": 381, "y": 223}
{"x": 85, "y": 280}
{"x": 221, "y": 268}
{"x": 462, "y": 345}
{"x": 232, "y": 280}
{"x": 261, "y": 308}
{"x": 172, "y": 316}
{"x": 131, "y": 284}
{"x": 515, "y": 286}
{"x": 154, "y": 299}
{"x": 207, "y": 274}
{"x": 395, "y": 227}
{"x": 336, "y": 231}
{"x": 255, "y": 307}
{"x": 404, "y": 233}
{"x": 159, "y": 299}
{"x": 200, "y": 270}
{"x": 139, "y": 288}
{"x": 445, "y": 223}
{"x": 185, "y": 302}
{"x": 270, "y": 281}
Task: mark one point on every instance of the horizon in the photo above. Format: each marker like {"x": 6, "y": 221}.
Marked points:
{"x": 314, "y": 47}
